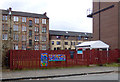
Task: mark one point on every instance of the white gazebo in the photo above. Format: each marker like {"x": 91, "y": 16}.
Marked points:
{"x": 93, "y": 45}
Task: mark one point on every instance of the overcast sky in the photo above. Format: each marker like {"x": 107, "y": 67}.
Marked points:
{"x": 67, "y": 15}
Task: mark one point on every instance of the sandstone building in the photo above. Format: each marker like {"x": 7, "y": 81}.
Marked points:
{"x": 66, "y": 40}
{"x": 23, "y": 31}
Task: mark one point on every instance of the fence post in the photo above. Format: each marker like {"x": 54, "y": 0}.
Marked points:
{"x": 11, "y": 60}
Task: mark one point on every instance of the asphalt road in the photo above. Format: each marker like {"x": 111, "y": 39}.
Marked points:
{"x": 106, "y": 76}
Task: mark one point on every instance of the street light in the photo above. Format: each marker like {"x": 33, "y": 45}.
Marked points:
{"x": 10, "y": 35}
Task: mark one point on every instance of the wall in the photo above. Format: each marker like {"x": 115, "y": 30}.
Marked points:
{"x": 108, "y": 23}
{"x": 0, "y": 38}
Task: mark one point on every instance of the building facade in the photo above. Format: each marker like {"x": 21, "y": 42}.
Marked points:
{"x": 106, "y": 24}
{"x": 23, "y": 31}
{"x": 66, "y": 40}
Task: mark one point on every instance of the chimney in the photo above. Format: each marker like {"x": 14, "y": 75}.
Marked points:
{"x": 45, "y": 14}
{"x": 10, "y": 10}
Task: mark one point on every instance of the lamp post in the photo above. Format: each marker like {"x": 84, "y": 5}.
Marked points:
{"x": 10, "y": 32}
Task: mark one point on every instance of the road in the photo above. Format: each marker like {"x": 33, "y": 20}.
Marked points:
{"x": 106, "y": 76}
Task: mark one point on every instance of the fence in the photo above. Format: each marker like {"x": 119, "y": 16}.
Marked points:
{"x": 31, "y": 59}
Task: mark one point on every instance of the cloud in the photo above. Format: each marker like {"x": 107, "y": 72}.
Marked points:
{"x": 63, "y": 14}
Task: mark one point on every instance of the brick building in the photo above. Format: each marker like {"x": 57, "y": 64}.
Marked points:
{"x": 23, "y": 31}
{"x": 106, "y": 24}
{"x": 66, "y": 40}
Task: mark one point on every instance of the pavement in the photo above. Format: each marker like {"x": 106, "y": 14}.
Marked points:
{"x": 55, "y": 72}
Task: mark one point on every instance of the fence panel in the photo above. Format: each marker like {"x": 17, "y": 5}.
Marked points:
{"x": 30, "y": 59}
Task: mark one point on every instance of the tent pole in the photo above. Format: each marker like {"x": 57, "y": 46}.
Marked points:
{"x": 107, "y": 54}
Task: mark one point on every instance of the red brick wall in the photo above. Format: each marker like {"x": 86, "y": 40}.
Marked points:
{"x": 108, "y": 24}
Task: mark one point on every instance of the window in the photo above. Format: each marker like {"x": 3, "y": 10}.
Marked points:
{"x": 36, "y": 29}
{"x": 15, "y": 46}
{"x": 86, "y": 38}
{"x": 55, "y": 49}
{"x": 66, "y": 43}
{"x": 36, "y": 47}
{"x": 4, "y": 27}
{"x": 79, "y": 43}
{"x": 4, "y": 18}
{"x": 73, "y": 43}
{"x": 30, "y": 23}
{"x": 44, "y": 38}
{"x": 15, "y": 27}
{"x": 16, "y": 18}
{"x": 44, "y": 29}
{"x": 66, "y": 37}
{"x": 23, "y": 47}
{"x": 58, "y": 48}
{"x": 43, "y": 21}
{"x": 36, "y": 38}
{"x": 58, "y": 42}
{"x": 37, "y": 20}
{"x": 24, "y": 28}
{"x": 43, "y": 47}
{"x": 58, "y": 37}
{"x": 79, "y": 38}
{"x": 23, "y": 19}
{"x": 24, "y": 37}
{"x": 15, "y": 37}
{"x": 52, "y": 42}
{"x": 4, "y": 37}
{"x": 30, "y": 33}
{"x": 30, "y": 42}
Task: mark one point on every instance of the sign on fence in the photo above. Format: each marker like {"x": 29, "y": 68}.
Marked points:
{"x": 44, "y": 57}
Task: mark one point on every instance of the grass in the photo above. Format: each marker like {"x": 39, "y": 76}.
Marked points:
{"x": 112, "y": 65}
{"x": 52, "y": 68}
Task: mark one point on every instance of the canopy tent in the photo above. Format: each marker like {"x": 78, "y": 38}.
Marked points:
{"x": 93, "y": 44}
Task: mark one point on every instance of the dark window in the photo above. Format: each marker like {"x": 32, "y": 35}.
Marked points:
{"x": 30, "y": 42}
{"x": 58, "y": 43}
{"x": 71, "y": 43}
{"x": 44, "y": 29}
{"x": 30, "y": 33}
{"x": 79, "y": 38}
{"x": 66, "y": 43}
{"x": 52, "y": 42}
{"x": 58, "y": 48}
{"x": 79, "y": 43}
{"x": 30, "y": 23}
{"x": 54, "y": 48}
{"x": 66, "y": 37}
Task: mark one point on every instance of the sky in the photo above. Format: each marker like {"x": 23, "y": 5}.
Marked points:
{"x": 65, "y": 15}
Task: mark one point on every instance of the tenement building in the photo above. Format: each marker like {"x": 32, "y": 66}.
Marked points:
{"x": 106, "y": 22}
{"x": 23, "y": 31}
{"x": 66, "y": 40}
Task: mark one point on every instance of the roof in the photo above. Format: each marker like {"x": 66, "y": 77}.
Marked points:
{"x": 26, "y": 14}
{"x": 69, "y": 33}
{"x": 93, "y": 44}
